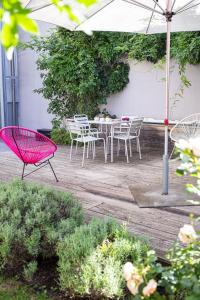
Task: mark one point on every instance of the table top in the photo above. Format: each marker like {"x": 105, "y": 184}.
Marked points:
{"x": 105, "y": 122}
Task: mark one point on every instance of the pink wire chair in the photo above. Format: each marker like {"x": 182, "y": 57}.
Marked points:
{"x": 30, "y": 146}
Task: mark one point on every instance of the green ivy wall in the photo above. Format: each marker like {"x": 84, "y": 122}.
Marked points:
{"x": 144, "y": 95}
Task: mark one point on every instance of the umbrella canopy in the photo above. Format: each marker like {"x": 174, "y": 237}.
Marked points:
{"x": 142, "y": 16}
{"x": 136, "y": 16}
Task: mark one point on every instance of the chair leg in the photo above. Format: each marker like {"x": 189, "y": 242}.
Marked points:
{"x": 22, "y": 176}
{"x": 88, "y": 149}
{"x": 130, "y": 148}
{"x": 53, "y": 171}
{"x": 71, "y": 150}
{"x": 170, "y": 157}
{"x": 126, "y": 151}
{"x": 107, "y": 145}
{"x": 94, "y": 150}
{"x": 76, "y": 146}
{"x": 83, "y": 155}
{"x": 118, "y": 147}
{"x": 139, "y": 149}
{"x": 105, "y": 150}
{"x": 137, "y": 146}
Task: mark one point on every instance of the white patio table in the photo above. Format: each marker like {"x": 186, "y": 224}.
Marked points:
{"x": 108, "y": 123}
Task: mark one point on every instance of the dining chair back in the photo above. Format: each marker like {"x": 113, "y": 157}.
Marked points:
{"x": 135, "y": 126}
{"x": 87, "y": 137}
{"x": 187, "y": 128}
{"x": 82, "y": 119}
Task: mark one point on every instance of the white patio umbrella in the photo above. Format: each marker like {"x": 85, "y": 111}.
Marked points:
{"x": 141, "y": 16}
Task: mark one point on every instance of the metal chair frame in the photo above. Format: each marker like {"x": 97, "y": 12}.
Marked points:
{"x": 83, "y": 119}
{"x": 80, "y": 133}
{"x": 186, "y": 128}
{"x": 128, "y": 131}
{"x": 9, "y": 136}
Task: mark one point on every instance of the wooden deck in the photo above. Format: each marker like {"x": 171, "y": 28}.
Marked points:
{"x": 103, "y": 190}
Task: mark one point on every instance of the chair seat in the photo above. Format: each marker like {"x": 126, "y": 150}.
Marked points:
{"x": 124, "y": 137}
{"x": 30, "y": 146}
{"x": 86, "y": 139}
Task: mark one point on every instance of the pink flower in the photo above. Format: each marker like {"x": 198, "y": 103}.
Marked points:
{"x": 133, "y": 287}
{"x": 187, "y": 234}
{"x": 133, "y": 278}
{"x": 150, "y": 288}
{"x": 128, "y": 270}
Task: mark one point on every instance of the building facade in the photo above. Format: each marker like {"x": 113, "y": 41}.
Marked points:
{"x": 9, "y": 90}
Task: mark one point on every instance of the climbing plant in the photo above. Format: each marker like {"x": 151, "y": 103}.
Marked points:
{"x": 80, "y": 72}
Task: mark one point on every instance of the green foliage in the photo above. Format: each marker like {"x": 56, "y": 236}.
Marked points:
{"x": 190, "y": 162}
{"x": 14, "y": 16}
{"x": 30, "y": 269}
{"x": 185, "y": 48}
{"x": 32, "y": 220}
{"x": 184, "y": 272}
{"x": 60, "y": 136}
{"x": 10, "y": 289}
{"x": 79, "y": 71}
{"x": 102, "y": 270}
{"x": 91, "y": 259}
{"x": 147, "y": 47}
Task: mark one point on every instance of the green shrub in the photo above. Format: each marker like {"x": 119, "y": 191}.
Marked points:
{"x": 60, "y": 136}
{"x": 91, "y": 260}
{"x": 183, "y": 275}
{"x": 32, "y": 220}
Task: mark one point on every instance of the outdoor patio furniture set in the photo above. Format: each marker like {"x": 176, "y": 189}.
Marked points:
{"x": 125, "y": 130}
{"x": 33, "y": 148}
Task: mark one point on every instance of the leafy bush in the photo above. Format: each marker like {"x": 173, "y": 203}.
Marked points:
{"x": 147, "y": 47}
{"x": 183, "y": 276}
{"x": 32, "y": 220}
{"x": 181, "y": 279}
{"x": 60, "y": 136}
{"x": 91, "y": 259}
{"x": 79, "y": 71}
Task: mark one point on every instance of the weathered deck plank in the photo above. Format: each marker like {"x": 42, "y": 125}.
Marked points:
{"x": 103, "y": 190}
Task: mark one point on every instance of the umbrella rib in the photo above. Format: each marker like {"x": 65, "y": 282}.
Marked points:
{"x": 173, "y": 4}
{"x": 184, "y": 6}
{"x": 157, "y": 4}
{"x": 150, "y": 19}
{"x": 187, "y": 8}
{"x": 92, "y": 15}
{"x": 27, "y": 2}
{"x": 136, "y": 3}
{"x": 41, "y": 7}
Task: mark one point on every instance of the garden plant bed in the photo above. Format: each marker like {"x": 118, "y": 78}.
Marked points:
{"x": 63, "y": 252}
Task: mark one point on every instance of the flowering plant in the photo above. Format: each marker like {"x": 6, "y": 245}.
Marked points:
{"x": 190, "y": 162}
{"x": 181, "y": 279}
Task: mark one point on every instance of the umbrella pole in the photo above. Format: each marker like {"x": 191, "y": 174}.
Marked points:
{"x": 166, "y": 122}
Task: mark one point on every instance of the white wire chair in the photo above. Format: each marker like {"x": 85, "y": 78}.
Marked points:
{"x": 81, "y": 134}
{"x": 128, "y": 134}
{"x": 83, "y": 120}
{"x": 187, "y": 128}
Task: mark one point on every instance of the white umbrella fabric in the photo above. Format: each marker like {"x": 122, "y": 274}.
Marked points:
{"x": 136, "y": 16}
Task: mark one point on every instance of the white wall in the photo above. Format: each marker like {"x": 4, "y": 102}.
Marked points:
{"x": 143, "y": 96}
{"x": 145, "y": 93}
{"x": 33, "y": 108}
